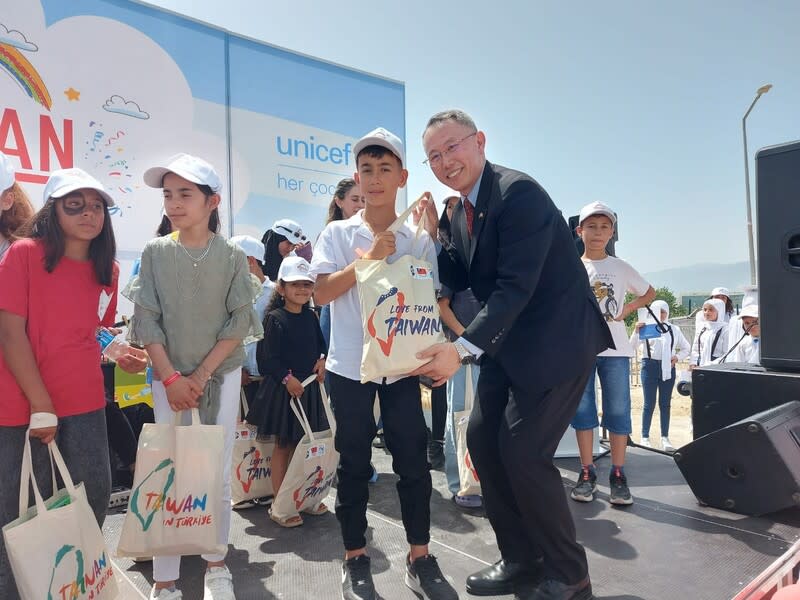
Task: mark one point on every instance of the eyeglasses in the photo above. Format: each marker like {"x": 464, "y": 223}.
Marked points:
{"x": 299, "y": 237}
{"x": 435, "y": 158}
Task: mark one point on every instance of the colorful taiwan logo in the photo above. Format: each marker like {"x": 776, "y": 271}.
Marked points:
{"x": 386, "y": 343}
{"x": 315, "y": 486}
{"x": 70, "y": 580}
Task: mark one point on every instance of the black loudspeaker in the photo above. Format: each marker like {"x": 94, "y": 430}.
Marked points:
{"x": 726, "y": 393}
{"x": 751, "y": 467}
{"x": 778, "y": 191}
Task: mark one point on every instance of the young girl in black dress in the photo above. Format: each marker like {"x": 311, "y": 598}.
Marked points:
{"x": 292, "y": 349}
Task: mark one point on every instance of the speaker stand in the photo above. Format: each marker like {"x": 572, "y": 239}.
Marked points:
{"x": 606, "y": 443}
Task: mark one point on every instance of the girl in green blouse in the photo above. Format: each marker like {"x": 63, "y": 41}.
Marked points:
{"x": 193, "y": 308}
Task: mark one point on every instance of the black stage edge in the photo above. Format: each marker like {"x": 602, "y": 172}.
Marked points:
{"x": 663, "y": 547}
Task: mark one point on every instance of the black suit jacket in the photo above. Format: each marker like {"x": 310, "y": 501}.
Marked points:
{"x": 540, "y": 320}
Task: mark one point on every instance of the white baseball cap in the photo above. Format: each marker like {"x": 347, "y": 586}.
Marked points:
{"x": 385, "y": 139}
{"x": 751, "y": 310}
{"x": 295, "y": 268}
{"x": 721, "y": 291}
{"x": 63, "y": 181}
{"x": 250, "y": 246}
{"x": 597, "y": 208}
{"x": 291, "y": 230}
{"x": 7, "y": 173}
{"x": 187, "y": 166}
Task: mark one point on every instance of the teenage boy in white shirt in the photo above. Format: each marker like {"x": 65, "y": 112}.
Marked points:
{"x": 610, "y": 278}
{"x": 380, "y": 163}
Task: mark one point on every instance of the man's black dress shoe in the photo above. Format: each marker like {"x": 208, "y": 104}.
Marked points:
{"x": 499, "y": 578}
{"x": 550, "y": 589}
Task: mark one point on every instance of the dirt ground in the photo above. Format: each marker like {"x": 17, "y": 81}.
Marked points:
{"x": 680, "y": 419}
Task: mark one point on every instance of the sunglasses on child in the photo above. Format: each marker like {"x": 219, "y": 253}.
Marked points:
{"x": 299, "y": 237}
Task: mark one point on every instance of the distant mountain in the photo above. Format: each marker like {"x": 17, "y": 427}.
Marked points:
{"x": 702, "y": 277}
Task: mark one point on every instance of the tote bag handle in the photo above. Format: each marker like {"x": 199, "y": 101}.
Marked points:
{"x": 27, "y": 476}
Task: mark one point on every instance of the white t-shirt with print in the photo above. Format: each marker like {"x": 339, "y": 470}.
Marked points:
{"x": 610, "y": 278}
{"x": 337, "y": 247}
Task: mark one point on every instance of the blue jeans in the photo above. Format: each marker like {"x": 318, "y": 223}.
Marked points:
{"x": 652, "y": 384}
{"x": 456, "y": 389}
{"x": 614, "y": 373}
{"x": 325, "y": 323}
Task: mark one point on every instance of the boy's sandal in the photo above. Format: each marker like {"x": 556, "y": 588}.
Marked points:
{"x": 320, "y": 509}
{"x": 293, "y": 521}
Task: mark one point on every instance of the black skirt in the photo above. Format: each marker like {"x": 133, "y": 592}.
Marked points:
{"x": 273, "y": 416}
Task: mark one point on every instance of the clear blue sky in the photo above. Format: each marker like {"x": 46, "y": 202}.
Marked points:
{"x": 636, "y": 104}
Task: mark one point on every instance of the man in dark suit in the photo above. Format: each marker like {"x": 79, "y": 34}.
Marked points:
{"x": 536, "y": 338}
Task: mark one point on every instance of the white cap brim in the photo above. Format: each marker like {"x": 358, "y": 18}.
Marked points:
{"x": 71, "y": 187}
{"x": 154, "y": 177}
{"x": 377, "y": 141}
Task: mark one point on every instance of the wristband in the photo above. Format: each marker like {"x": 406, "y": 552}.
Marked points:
{"x": 40, "y": 420}
{"x": 285, "y": 380}
{"x": 172, "y": 379}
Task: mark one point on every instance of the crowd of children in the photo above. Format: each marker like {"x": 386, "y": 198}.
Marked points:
{"x": 215, "y": 316}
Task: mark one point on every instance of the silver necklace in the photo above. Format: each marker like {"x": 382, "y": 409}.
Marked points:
{"x": 200, "y": 258}
{"x": 194, "y": 285}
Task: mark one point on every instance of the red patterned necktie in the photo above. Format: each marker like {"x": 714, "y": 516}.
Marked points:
{"x": 469, "y": 213}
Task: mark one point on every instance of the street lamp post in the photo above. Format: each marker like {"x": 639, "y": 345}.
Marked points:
{"x": 759, "y": 92}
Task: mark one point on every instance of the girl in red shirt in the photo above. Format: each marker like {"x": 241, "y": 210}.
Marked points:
{"x": 58, "y": 284}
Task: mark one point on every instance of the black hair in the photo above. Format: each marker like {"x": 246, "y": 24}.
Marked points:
{"x": 165, "y": 227}
{"x": 445, "y": 233}
{"x": 44, "y": 226}
{"x": 342, "y": 189}
{"x": 272, "y": 253}
{"x": 375, "y": 151}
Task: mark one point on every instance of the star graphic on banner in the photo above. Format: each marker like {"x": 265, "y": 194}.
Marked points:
{"x": 72, "y": 94}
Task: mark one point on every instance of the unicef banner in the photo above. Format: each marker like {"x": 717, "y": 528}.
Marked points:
{"x": 114, "y": 86}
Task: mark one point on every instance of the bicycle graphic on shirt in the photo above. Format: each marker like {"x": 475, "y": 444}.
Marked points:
{"x": 604, "y": 292}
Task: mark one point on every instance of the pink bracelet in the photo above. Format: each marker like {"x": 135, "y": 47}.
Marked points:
{"x": 285, "y": 380}
{"x": 172, "y": 379}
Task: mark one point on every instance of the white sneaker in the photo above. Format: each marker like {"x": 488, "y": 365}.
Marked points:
{"x": 667, "y": 445}
{"x": 165, "y": 594}
{"x": 218, "y": 584}
{"x": 646, "y": 442}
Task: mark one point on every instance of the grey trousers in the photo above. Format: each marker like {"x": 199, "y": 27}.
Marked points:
{"x": 83, "y": 441}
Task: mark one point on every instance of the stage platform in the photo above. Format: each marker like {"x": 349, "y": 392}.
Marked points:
{"x": 663, "y": 547}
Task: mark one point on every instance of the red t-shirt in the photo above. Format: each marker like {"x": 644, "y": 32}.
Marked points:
{"x": 63, "y": 311}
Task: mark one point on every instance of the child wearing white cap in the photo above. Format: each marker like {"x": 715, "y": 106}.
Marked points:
{"x": 292, "y": 349}
{"x": 254, "y": 250}
{"x": 658, "y": 360}
{"x": 722, "y": 293}
{"x": 711, "y": 337}
{"x": 610, "y": 278}
{"x": 52, "y": 388}
{"x": 747, "y": 347}
{"x": 15, "y": 208}
{"x": 281, "y": 240}
{"x": 380, "y": 161}
{"x": 193, "y": 307}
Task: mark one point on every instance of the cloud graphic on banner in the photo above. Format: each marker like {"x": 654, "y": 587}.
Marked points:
{"x": 129, "y": 108}
{"x": 15, "y": 38}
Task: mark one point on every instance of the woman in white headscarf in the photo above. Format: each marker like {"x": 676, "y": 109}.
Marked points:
{"x": 711, "y": 340}
{"x": 747, "y": 347}
{"x": 658, "y": 358}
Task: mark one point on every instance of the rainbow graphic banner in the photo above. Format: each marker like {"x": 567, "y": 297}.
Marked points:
{"x": 25, "y": 74}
